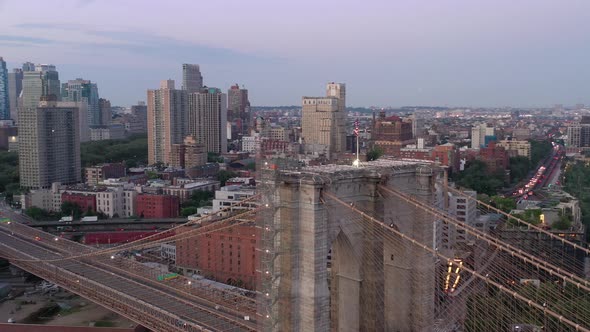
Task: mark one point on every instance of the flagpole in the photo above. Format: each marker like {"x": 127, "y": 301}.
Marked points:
{"x": 357, "y": 162}
{"x": 357, "y": 151}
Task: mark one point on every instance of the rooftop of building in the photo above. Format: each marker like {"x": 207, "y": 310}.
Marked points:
{"x": 375, "y": 165}
{"x": 241, "y": 179}
{"x": 238, "y": 187}
{"x": 195, "y": 184}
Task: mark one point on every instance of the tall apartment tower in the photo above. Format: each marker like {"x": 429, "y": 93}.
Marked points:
{"x": 139, "y": 118}
{"x": 578, "y": 133}
{"x": 207, "y": 119}
{"x": 105, "y": 111}
{"x": 49, "y": 144}
{"x": 238, "y": 111}
{"x": 166, "y": 119}
{"x": 323, "y": 120}
{"x": 4, "y": 99}
{"x": 192, "y": 80}
{"x": 15, "y": 86}
{"x": 84, "y": 91}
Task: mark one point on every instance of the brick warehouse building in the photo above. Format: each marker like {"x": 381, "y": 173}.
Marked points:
{"x": 157, "y": 206}
{"x": 228, "y": 256}
{"x": 85, "y": 201}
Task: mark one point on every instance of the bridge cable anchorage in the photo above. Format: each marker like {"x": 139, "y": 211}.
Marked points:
{"x": 470, "y": 282}
{"x": 501, "y": 245}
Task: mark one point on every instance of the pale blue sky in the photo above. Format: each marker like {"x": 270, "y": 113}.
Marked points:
{"x": 390, "y": 52}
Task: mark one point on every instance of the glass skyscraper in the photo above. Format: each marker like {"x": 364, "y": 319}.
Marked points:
{"x": 4, "y": 101}
{"x": 80, "y": 90}
{"x": 44, "y": 81}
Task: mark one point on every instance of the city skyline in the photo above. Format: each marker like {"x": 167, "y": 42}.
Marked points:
{"x": 454, "y": 54}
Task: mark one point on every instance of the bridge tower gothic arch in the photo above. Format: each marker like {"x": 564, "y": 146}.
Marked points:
{"x": 337, "y": 273}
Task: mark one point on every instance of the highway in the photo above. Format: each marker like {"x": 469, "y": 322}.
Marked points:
{"x": 191, "y": 311}
{"x": 545, "y": 174}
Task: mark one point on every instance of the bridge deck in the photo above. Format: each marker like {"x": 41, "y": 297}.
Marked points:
{"x": 191, "y": 314}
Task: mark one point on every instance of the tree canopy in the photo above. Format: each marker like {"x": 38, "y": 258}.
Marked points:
{"x": 133, "y": 151}
{"x": 223, "y": 176}
{"x": 476, "y": 177}
{"x": 375, "y": 153}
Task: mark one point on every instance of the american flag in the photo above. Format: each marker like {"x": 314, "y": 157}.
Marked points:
{"x": 356, "y": 127}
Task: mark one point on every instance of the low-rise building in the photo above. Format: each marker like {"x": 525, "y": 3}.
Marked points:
{"x": 230, "y": 195}
{"x": 185, "y": 190}
{"x": 227, "y": 256}
{"x": 516, "y": 148}
{"x": 156, "y": 206}
{"x": 113, "y": 131}
{"x": 86, "y": 201}
{"x": 99, "y": 173}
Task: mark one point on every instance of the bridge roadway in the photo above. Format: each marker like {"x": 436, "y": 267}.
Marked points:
{"x": 151, "y": 304}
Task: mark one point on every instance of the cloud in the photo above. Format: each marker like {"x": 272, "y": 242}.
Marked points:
{"x": 49, "y": 26}
{"x": 24, "y": 39}
{"x": 142, "y": 43}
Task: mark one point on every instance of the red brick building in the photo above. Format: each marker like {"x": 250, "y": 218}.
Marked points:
{"x": 495, "y": 157}
{"x": 392, "y": 128}
{"x": 228, "y": 256}
{"x": 391, "y": 134}
{"x": 157, "y": 206}
{"x": 85, "y": 201}
{"x": 447, "y": 155}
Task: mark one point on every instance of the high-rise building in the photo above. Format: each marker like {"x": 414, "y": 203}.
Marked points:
{"x": 15, "y": 86}
{"x": 578, "y": 133}
{"x": 28, "y": 66}
{"x": 167, "y": 121}
{"x": 105, "y": 111}
{"x": 84, "y": 91}
{"x": 323, "y": 120}
{"x": 238, "y": 111}
{"x": 49, "y": 144}
{"x": 207, "y": 119}
{"x": 479, "y": 134}
{"x": 192, "y": 80}
{"x": 43, "y": 81}
{"x": 4, "y": 99}
{"x": 418, "y": 120}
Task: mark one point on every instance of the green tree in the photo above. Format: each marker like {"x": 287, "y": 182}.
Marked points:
{"x": 519, "y": 168}
{"x": 152, "y": 175}
{"x": 539, "y": 151}
{"x": 71, "y": 209}
{"x": 504, "y": 204}
{"x": 132, "y": 151}
{"x": 375, "y": 153}
{"x": 187, "y": 211}
{"x": 562, "y": 224}
{"x": 36, "y": 213}
{"x": 223, "y": 176}
{"x": 476, "y": 177}
{"x": 214, "y": 158}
